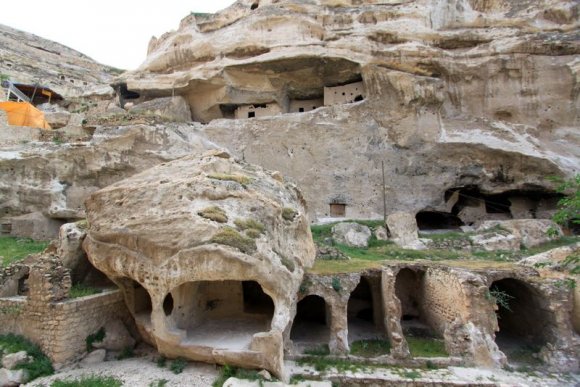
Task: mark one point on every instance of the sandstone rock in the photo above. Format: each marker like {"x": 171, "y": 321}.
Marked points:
{"x": 404, "y": 232}
{"x": 94, "y": 357}
{"x": 57, "y": 120}
{"x": 70, "y": 251}
{"x": 530, "y": 232}
{"x": 265, "y": 374}
{"x": 182, "y": 257}
{"x": 9, "y": 378}
{"x": 496, "y": 241}
{"x": 351, "y": 234}
{"x": 381, "y": 233}
{"x": 173, "y": 109}
{"x": 235, "y": 382}
{"x": 117, "y": 337}
{"x": 35, "y": 226}
{"x": 11, "y": 360}
{"x": 552, "y": 258}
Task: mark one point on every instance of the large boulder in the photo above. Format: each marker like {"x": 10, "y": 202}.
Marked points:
{"x": 404, "y": 231}
{"x": 117, "y": 337}
{"x": 528, "y": 232}
{"x": 13, "y": 377}
{"x": 12, "y": 360}
{"x": 70, "y": 250}
{"x": 351, "y": 234}
{"x": 210, "y": 254}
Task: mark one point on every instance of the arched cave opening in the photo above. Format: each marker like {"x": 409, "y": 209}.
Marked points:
{"x": 409, "y": 288}
{"x": 221, "y": 314}
{"x": 436, "y": 220}
{"x": 471, "y": 205}
{"x": 523, "y": 320}
{"x": 168, "y": 304}
{"x": 311, "y": 323}
{"x": 364, "y": 319}
{"x": 255, "y": 5}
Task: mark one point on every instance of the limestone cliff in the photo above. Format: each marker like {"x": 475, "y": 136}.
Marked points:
{"x": 468, "y": 96}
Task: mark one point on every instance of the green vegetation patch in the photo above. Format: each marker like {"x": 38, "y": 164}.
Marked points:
{"x": 214, "y": 213}
{"x": 243, "y": 180}
{"x": 40, "y": 365}
{"x": 230, "y": 237}
{"x": 249, "y": 224}
{"x": 322, "y": 363}
{"x": 96, "y": 337}
{"x": 178, "y": 365}
{"x": 15, "y": 249}
{"x": 426, "y": 347}
{"x": 321, "y": 350}
{"x": 82, "y": 290}
{"x": 89, "y": 381}
{"x": 232, "y": 372}
{"x": 370, "y": 348}
{"x": 289, "y": 213}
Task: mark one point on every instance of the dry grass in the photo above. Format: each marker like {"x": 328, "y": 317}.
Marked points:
{"x": 243, "y": 180}
{"x": 230, "y": 237}
{"x": 214, "y": 213}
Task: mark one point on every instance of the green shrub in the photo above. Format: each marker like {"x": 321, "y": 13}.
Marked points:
{"x": 336, "y": 285}
{"x": 82, "y": 290}
{"x": 230, "y": 237}
{"x": 89, "y": 381}
{"x": 289, "y": 213}
{"x": 569, "y": 206}
{"x": 253, "y": 233}
{"x": 40, "y": 365}
{"x": 248, "y": 224}
{"x": 178, "y": 365}
{"x": 240, "y": 373}
{"x": 126, "y": 353}
{"x": 161, "y": 361}
{"x": 321, "y": 350}
{"x": 95, "y": 338}
{"x": 214, "y": 213}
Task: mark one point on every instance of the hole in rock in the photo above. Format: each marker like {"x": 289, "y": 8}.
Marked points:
{"x": 221, "y": 314}
{"x": 364, "y": 320}
{"x": 435, "y": 220}
{"x": 168, "y": 304}
{"x": 310, "y": 324}
{"x": 523, "y": 319}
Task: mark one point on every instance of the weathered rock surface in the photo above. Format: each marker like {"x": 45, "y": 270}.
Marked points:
{"x": 10, "y": 378}
{"x": 30, "y": 59}
{"x": 117, "y": 337}
{"x": 494, "y": 241}
{"x": 204, "y": 228}
{"x": 463, "y": 95}
{"x": 12, "y": 360}
{"x": 70, "y": 251}
{"x": 404, "y": 231}
{"x": 174, "y": 109}
{"x": 351, "y": 234}
{"x": 528, "y": 232}
{"x": 56, "y": 179}
{"x": 94, "y": 357}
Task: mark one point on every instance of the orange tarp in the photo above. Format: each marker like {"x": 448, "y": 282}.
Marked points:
{"x": 24, "y": 114}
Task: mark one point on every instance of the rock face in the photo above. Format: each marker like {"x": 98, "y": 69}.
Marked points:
{"x": 351, "y": 234}
{"x": 29, "y": 59}
{"x": 55, "y": 179}
{"x": 404, "y": 232}
{"x": 209, "y": 253}
{"x": 527, "y": 232}
{"x": 456, "y": 96}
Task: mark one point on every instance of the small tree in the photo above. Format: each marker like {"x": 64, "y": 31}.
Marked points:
{"x": 569, "y": 206}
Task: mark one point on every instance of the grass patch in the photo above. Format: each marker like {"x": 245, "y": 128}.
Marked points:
{"x": 232, "y": 372}
{"x": 426, "y": 347}
{"x": 15, "y": 249}
{"x": 243, "y": 180}
{"x": 126, "y": 353}
{"x": 230, "y": 237}
{"x": 159, "y": 383}
{"x": 321, "y": 350}
{"x": 82, "y": 290}
{"x": 370, "y": 348}
{"x": 321, "y": 363}
{"x": 178, "y": 365}
{"x": 214, "y": 213}
{"x": 89, "y": 381}
{"x": 40, "y": 365}
{"x": 249, "y": 224}
{"x": 289, "y": 214}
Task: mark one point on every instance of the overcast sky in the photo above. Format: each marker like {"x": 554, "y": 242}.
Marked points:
{"x": 113, "y": 32}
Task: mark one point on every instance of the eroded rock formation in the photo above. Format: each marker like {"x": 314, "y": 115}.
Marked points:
{"x": 455, "y": 95}
{"x": 209, "y": 253}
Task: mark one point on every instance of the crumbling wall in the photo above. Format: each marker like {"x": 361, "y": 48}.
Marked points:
{"x": 250, "y": 111}
{"x": 344, "y": 94}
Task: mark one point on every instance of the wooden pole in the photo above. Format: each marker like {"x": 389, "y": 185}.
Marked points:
{"x": 384, "y": 194}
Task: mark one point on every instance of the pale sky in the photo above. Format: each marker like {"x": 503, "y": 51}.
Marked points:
{"x": 112, "y": 32}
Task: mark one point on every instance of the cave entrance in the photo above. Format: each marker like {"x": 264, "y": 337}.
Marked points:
{"x": 364, "y": 318}
{"x": 435, "y": 220}
{"x": 221, "y": 314}
{"x": 311, "y": 324}
{"x": 409, "y": 289}
{"x": 523, "y": 320}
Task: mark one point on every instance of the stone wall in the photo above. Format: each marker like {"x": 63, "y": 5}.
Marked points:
{"x": 343, "y": 94}
{"x": 246, "y": 111}
{"x": 61, "y": 328}
{"x": 442, "y": 299}
{"x": 306, "y": 105}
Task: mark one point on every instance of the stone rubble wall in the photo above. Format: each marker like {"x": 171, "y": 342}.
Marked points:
{"x": 61, "y": 328}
